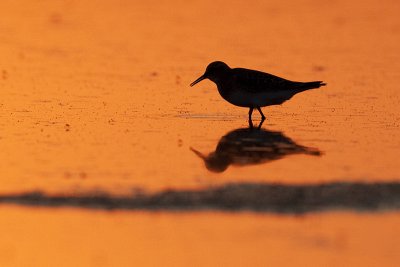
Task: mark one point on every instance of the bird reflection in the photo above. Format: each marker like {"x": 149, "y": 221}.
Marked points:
{"x": 250, "y": 146}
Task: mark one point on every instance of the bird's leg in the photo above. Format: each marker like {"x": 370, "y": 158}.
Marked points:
{"x": 260, "y": 124}
{"x": 262, "y": 115}
{"x": 250, "y": 112}
{"x": 251, "y": 126}
{"x": 250, "y": 121}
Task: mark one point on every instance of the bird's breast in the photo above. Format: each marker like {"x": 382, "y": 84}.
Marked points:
{"x": 242, "y": 98}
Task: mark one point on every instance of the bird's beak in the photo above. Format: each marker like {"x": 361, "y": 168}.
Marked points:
{"x": 199, "y": 154}
{"x": 198, "y": 80}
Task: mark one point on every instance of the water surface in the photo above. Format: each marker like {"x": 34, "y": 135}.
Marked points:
{"x": 95, "y": 97}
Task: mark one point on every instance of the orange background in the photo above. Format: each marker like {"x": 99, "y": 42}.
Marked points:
{"x": 94, "y": 95}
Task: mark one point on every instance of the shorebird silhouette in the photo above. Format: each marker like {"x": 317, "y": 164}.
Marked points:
{"x": 253, "y": 89}
{"x": 250, "y": 146}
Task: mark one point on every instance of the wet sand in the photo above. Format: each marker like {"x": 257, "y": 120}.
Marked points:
{"x": 94, "y": 99}
{"x": 271, "y": 198}
{"x": 65, "y": 237}
{"x": 101, "y": 99}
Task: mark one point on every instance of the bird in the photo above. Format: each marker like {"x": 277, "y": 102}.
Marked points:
{"x": 252, "y": 146}
{"x": 251, "y": 88}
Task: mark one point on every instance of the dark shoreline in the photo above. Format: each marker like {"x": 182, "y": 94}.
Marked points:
{"x": 259, "y": 197}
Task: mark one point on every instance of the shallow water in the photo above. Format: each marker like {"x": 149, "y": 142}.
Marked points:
{"x": 97, "y": 238}
{"x": 86, "y": 105}
{"x": 96, "y": 97}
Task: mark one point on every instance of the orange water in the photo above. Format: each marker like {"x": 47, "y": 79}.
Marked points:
{"x": 98, "y": 96}
{"x": 80, "y": 238}
{"x": 95, "y": 96}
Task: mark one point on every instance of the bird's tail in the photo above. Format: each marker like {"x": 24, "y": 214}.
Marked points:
{"x": 311, "y": 85}
{"x": 312, "y": 151}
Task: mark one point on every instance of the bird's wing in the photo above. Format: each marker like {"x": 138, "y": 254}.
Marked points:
{"x": 257, "y": 81}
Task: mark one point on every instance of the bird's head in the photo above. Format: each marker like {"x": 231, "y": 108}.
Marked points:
{"x": 214, "y": 162}
{"x": 215, "y": 71}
